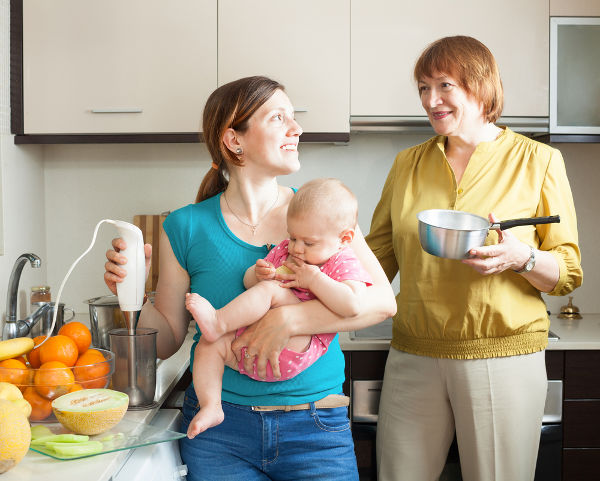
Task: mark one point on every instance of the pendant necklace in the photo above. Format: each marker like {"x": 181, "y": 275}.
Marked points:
{"x": 253, "y": 227}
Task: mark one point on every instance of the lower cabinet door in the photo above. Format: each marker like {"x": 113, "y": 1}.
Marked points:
{"x": 581, "y": 464}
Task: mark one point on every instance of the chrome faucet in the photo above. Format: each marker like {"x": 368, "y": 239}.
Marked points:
{"x": 12, "y": 327}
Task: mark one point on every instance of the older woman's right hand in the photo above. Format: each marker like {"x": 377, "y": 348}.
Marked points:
{"x": 114, "y": 273}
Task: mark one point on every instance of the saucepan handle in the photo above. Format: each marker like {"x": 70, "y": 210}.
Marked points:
{"x": 507, "y": 224}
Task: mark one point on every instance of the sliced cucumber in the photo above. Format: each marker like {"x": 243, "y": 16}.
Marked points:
{"x": 76, "y": 449}
{"x": 60, "y": 438}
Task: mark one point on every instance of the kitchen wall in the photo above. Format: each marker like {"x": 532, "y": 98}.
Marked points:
{"x": 87, "y": 183}
{"x": 22, "y": 214}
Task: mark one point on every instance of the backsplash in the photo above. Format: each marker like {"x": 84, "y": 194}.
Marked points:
{"x": 83, "y": 184}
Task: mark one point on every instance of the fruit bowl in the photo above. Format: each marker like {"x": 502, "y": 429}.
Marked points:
{"x": 41, "y": 386}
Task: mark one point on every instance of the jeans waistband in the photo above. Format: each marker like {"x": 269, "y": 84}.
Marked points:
{"x": 328, "y": 402}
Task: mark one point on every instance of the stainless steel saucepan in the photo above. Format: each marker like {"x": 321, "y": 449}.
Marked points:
{"x": 452, "y": 233}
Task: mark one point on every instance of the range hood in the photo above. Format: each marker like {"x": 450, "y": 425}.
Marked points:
{"x": 420, "y": 124}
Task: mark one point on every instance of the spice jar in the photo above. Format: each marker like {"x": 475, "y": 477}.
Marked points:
{"x": 39, "y": 295}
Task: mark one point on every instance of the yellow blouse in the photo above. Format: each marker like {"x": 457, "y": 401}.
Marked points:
{"x": 445, "y": 308}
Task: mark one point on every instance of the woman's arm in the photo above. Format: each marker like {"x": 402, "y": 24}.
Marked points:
{"x": 168, "y": 314}
{"x": 269, "y": 336}
{"x": 557, "y": 268}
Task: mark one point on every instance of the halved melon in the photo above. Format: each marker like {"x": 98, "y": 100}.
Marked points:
{"x": 90, "y": 411}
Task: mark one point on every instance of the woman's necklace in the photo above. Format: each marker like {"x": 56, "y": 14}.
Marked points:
{"x": 253, "y": 227}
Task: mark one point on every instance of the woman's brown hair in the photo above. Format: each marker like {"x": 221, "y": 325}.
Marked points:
{"x": 230, "y": 106}
{"x": 473, "y": 66}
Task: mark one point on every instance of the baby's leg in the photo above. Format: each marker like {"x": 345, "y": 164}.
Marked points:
{"x": 209, "y": 361}
{"x": 244, "y": 310}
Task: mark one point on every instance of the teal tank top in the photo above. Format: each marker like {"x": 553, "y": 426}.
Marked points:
{"x": 216, "y": 261}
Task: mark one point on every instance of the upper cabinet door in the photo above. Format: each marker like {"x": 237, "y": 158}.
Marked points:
{"x": 388, "y": 36}
{"x": 303, "y": 45}
{"x": 136, "y": 66}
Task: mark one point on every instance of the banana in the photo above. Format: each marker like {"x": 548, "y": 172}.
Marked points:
{"x": 15, "y": 347}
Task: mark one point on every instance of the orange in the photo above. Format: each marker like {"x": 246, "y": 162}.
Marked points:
{"x": 22, "y": 358}
{"x": 34, "y": 356}
{"x": 41, "y": 408}
{"x": 59, "y": 348}
{"x": 91, "y": 369}
{"x": 76, "y": 387}
{"x": 79, "y": 333}
{"x": 13, "y": 371}
{"x": 93, "y": 352}
{"x": 53, "y": 379}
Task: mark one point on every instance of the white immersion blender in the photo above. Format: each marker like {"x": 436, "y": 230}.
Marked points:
{"x": 130, "y": 293}
{"x": 131, "y": 297}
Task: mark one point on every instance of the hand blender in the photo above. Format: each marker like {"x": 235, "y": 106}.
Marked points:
{"x": 131, "y": 296}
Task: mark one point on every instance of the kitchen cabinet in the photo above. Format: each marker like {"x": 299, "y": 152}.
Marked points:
{"x": 574, "y": 8}
{"x": 304, "y": 45}
{"x": 581, "y": 444}
{"x": 387, "y": 38}
{"x": 141, "y": 66}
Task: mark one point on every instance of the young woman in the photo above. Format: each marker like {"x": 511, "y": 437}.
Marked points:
{"x": 277, "y": 430}
{"x": 467, "y": 353}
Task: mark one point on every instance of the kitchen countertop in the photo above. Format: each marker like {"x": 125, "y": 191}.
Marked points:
{"x": 36, "y": 466}
{"x": 579, "y": 334}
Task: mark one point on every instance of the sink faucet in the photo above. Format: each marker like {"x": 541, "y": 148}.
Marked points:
{"x": 12, "y": 327}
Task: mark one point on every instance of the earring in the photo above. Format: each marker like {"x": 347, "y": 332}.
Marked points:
{"x": 238, "y": 151}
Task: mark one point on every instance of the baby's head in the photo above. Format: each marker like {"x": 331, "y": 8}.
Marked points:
{"x": 321, "y": 220}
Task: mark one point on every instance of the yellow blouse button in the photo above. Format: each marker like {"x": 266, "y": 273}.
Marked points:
{"x": 460, "y": 191}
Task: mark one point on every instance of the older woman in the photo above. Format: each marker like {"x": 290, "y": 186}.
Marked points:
{"x": 467, "y": 353}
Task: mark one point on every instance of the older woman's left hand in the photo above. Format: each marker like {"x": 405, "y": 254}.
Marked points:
{"x": 509, "y": 253}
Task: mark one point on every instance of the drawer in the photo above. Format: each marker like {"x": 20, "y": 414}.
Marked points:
{"x": 555, "y": 364}
{"x": 582, "y": 375}
{"x": 581, "y": 464}
{"x": 581, "y": 424}
{"x": 368, "y": 365}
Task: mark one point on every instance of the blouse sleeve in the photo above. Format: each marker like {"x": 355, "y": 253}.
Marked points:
{"x": 561, "y": 239}
{"x": 379, "y": 238}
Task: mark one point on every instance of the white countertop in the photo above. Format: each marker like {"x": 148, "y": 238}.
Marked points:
{"x": 581, "y": 334}
{"x": 37, "y": 467}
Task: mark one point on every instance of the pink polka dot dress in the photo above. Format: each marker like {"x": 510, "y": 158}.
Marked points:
{"x": 343, "y": 266}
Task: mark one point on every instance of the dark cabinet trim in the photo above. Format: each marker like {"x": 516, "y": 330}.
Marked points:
{"x": 568, "y": 138}
{"x": 155, "y": 138}
{"x": 16, "y": 67}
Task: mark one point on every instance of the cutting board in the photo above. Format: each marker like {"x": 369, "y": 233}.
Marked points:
{"x": 151, "y": 227}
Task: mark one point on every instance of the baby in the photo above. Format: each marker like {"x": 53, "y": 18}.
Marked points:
{"x": 321, "y": 222}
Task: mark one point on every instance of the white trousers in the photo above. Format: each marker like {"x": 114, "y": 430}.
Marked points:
{"x": 495, "y": 405}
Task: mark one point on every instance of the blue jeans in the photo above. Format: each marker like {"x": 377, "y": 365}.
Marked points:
{"x": 248, "y": 445}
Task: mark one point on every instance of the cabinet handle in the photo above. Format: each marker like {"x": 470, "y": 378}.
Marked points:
{"x": 117, "y": 111}
{"x": 300, "y": 109}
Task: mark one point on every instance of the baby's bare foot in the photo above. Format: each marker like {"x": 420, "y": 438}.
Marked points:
{"x": 205, "y": 316}
{"x": 207, "y": 417}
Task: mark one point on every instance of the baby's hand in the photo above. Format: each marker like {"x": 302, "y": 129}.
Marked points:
{"x": 264, "y": 270}
{"x": 304, "y": 274}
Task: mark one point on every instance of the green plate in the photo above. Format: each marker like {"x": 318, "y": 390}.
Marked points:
{"x": 125, "y": 435}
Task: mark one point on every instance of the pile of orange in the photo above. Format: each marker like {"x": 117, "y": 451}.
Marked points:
{"x": 64, "y": 363}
